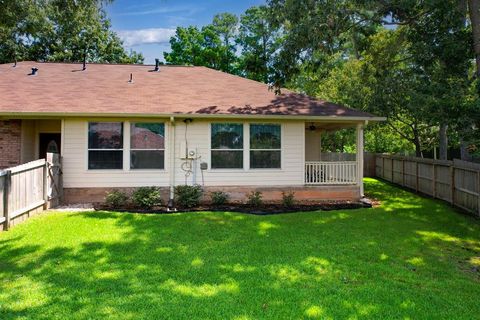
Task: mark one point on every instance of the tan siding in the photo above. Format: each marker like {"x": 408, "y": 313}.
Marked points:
{"x": 28, "y": 141}
{"x": 198, "y": 134}
{"x": 313, "y": 148}
{"x": 76, "y": 175}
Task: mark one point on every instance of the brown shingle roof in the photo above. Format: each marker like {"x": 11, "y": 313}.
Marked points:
{"x": 104, "y": 89}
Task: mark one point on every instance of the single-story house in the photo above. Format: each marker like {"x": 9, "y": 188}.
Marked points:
{"x": 126, "y": 126}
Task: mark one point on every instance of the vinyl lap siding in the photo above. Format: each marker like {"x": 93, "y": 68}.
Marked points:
{"x": 76, "y": 175}
{"x": 198, "y": 135}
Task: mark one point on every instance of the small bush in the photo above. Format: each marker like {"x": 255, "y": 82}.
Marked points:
{"x": 288, "y": 199}
{"x": 219, "y": 198}
{"x": 146, "y": 197}
{"x": 255, "y": 199}
{"x": 116, "y": 199}
{"x": 188, "y": 196}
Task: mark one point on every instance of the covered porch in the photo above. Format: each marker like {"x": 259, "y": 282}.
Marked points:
{"x": 325, "y": 164}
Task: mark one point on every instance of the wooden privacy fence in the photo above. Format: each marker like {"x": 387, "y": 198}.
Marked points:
{"x": 457, "y": 182}
{"x": 29, "y": 188}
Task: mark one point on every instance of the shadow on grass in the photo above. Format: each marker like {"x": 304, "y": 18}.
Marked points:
{"x": 410, "y": 257}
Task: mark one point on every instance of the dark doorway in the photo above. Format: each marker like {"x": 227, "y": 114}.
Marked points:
{"x": 49, "y": 142}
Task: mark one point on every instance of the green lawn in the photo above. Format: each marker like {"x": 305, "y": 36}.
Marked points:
{"x": 410, "y": 258}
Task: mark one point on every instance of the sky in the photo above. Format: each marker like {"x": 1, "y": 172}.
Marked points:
{"x": 146, "y": 26}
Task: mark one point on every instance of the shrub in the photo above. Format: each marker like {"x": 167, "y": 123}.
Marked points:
{"x": 288, "y": 199}
{"x": 188, "y": 196}
{"x": 219, "y": 198}
{"x": 116, "y": 199}
{"x": 254, "y": 199}
{"x": 146, "y": 197}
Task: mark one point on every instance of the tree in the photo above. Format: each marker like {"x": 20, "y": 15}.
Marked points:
{"x": 474, "y": 12}
{"x": 210, "y": 47}
{"x": 186, "y": 47}
{"x": 225, "y": 24}
{"x": 60, "y": 30}
{"x": 259, "y": 41}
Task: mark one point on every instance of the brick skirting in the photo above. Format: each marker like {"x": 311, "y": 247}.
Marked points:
{"x": 237, "y": 194}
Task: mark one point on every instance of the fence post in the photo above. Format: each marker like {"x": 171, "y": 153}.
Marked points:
{"x": 6, "y": 191}
{"x": 434, "y": 182}
{"x": 478, "y": 192}
{"x": 45, "y": 185}
{"x": 452, "y": 182}
{"x": 416, "y": 175}
{"x": 383, "y": 167}
{"x": 392, "y": 168}
{"x": 403, "y": 172}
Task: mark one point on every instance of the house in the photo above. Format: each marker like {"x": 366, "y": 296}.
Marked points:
{"x": 126, "y": 126}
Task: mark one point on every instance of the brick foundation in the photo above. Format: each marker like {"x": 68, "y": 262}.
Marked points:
{"x": 237, "y": 194}
{"x": 10, "y": 143}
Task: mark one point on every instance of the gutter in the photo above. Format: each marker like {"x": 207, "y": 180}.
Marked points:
{"x": 39, "y": 115}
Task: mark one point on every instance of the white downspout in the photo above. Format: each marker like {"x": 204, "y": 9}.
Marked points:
{"x": 172, "y": 162}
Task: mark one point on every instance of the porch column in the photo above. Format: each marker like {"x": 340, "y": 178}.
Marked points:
{"x": 360, "y": 157}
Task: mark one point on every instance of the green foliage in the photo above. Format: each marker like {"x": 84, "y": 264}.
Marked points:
{"x": 116, "y": 199}
{"x": 60, "y": 30}
{"x": 147, "y": 197}
{"x": 219, "y": 198}
{"x": 212, "y": 46}
{"x": 288, "y": 199}
{"x": 188, "y": 196}
{"x": 255, "y": 199}
{"x": 259, "y": 41}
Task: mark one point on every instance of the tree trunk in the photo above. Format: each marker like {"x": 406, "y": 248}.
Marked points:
{"x": 474, "y": 12}
{"x": 464, "y": 154}
{"x": 443, "y": 142}
{"x": 418, "y": 146}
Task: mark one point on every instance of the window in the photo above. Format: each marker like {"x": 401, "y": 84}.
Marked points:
{"x": 147, "y": 146}
{"x": 227, "y": 146}
{"x": 265, "y": 146}
{"x": 105, "y": 145}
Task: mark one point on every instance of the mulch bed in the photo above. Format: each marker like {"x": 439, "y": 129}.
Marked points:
{"x": 266, "y": 209}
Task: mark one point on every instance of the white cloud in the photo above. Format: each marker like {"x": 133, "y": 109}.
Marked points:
{"x": 146, "y": 36}
{"x": 149, "y": 10}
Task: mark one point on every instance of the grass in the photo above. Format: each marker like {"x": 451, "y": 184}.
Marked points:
{"x": 411, "y": 257}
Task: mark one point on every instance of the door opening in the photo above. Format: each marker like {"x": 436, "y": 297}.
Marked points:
{"x": 49, "y": 142}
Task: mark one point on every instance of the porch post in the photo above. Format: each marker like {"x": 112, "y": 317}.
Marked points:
{"x": 360, "y": 158}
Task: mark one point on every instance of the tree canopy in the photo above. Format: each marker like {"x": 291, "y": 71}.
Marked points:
{"x": 59, "y": 30}
{"x": 409, "y": 60}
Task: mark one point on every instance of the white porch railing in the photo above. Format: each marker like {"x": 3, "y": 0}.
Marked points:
{"x": 331, "y": 172}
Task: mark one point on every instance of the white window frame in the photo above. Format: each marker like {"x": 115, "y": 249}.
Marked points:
{"x": 96, "y": 149}
{"x": 130, "y": 149}
{"x": 250, "y": 149}
{"x": 244, "y": 135}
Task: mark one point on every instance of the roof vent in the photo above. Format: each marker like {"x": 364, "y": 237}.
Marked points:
{"x": 131, "y": 78}
{"x": 157, "y": 65}
{"x": 34, "y": 71}
{"x": 84, "y": 62}
{"x": 15, "y": 63}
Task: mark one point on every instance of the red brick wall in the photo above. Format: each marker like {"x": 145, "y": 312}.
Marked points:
{"x": 10, "y": 139}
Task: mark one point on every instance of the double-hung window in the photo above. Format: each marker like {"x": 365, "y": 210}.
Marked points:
{"x": 105, "y": 145}
{"x": 265, "y": 146}
{"x": 147, "y": 146}
{"x": 227, "y": 146}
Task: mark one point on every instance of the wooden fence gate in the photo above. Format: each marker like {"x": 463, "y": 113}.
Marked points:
{"x": 29, "y": 188}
